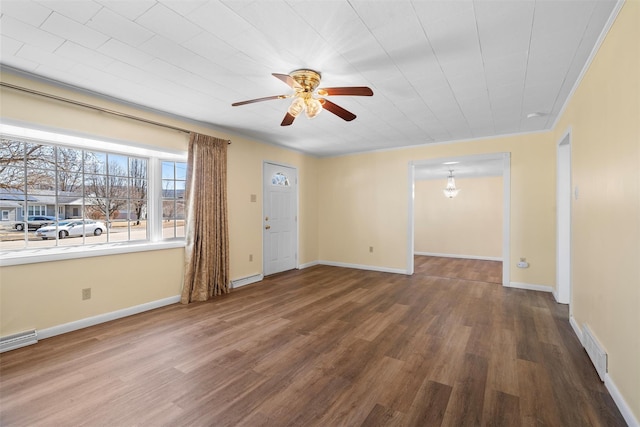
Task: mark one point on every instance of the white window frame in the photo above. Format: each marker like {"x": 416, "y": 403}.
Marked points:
{"x": 31, "y": 210}
{"x": 155, "y": 157}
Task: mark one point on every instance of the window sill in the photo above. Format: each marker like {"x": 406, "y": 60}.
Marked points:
{"x": 32, "y": 256}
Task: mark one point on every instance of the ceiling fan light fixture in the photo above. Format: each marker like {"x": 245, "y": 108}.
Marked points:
{"x": 296, "y": 107}
{"x": 313, "y": 107}
{"x": 304, "y": 83}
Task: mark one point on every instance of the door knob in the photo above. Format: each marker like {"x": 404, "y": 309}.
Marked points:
{"x": 267, "y": 227}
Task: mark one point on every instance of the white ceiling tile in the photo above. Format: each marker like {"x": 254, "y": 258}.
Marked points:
{"x": 78, "y": 10}
{"x": 431, "y": 12}
{"x": 504, "y": 27}
{"x": 71, "y": 30}
{"x": 73, "y": 51}
{"x": 126, "y": 71}
{"x": 129, "y": 9}
{"x": 507, "y": 94}
{"x": 110, "y": 23}
{"x": 8, "y": 46}
{"x": 165, "y": 70}
{"x": 267, "y": 16}
{"x": 376, "y": 17}
{"x": 28, "y": 34}
{"x": 209, "y": 87}
{"x": 36, "y": 54}
{"x": 401, "y": 45}
{"x": 183, "y": 7}
{"x": 125, "y": 53}
{"x": 20, "y": 63}
{"x": 162, "y": 48}
{"x": 326, "y": 20}
{"x": 210, "y": 46}
{"x": 166, "y": 22}
{"x": 218, "y": 19}
{"x": 26, "y": 11}
{"x": 453, "y": 36}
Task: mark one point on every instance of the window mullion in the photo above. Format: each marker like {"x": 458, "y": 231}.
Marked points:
{"x": 154, "y": 199}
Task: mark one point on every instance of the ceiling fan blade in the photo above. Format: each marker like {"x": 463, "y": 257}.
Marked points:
{"x": 267, "y": 98}
{"x": 288, "y": 119}
{"x": 350, "y": 90}
{"x": 337, "y": 110}
{"x": 288, "y": 80}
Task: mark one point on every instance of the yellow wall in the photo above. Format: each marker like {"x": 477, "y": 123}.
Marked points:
{"x": 604, "y": 115}
{"x": 44, "y": 295}
{"x": 245, "y": 218}
{"x": 363, "y": 202}
{"x": 469, "y": 224}
{"x": 38, "y": 296}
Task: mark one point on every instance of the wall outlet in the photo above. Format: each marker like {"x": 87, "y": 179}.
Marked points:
{"x": 253, "y": 198}
{"x": 371, "y": 249}
{"x": 523, "y": 263}
{"x": 250, "y": 257}
{"x": 86, "y": 293}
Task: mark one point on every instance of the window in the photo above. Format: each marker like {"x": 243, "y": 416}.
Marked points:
{"x": 279, "y": 178}
{"x": 174, "y": 175}
{"x": 37, "y": 210}
{"x": 111, "y": 190}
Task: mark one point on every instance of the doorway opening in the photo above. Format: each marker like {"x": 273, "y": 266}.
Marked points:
{"x": 500, "y": 163}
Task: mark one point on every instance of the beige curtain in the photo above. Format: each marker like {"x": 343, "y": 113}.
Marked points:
{"x": 207, "y": 236}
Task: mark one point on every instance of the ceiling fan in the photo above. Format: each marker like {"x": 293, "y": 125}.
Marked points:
{"x": 306, "y": 98}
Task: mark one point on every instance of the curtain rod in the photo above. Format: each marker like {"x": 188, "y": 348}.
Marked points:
{"x": 94, "y": 107}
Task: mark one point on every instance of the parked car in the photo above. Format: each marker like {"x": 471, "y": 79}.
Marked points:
{"x": 72, "y": 227}
{"x": 35, "y": 221}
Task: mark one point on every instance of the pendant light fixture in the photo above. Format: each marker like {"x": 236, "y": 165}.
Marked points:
{"x": 451, "y": 191}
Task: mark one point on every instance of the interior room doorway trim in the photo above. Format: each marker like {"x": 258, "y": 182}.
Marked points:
{"x": 563, "y": 220}
{"x": 506, "y": 205}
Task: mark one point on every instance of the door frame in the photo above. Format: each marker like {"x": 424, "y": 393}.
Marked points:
{"x": 506, "y": 206}
{"x": 564, "y": 187}
{"x": 297, "y": 214}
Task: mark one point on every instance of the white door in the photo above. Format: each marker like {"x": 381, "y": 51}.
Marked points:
{"x": 280, "y": 231}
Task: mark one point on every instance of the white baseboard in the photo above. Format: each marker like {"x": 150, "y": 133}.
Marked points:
{"x": 244, "y": 281}
{"x": 622, "y": 404}
{"x": 530, "y": 287}
{"x": 483, "y": 258}
{"x": 308, "y": 264}
{"x": 576, "y": 329}
{"x": 363, "y": 267}
{"x": 106, "y": 317}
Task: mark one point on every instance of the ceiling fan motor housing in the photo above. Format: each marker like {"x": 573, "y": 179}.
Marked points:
{"x": 307, "y": 79}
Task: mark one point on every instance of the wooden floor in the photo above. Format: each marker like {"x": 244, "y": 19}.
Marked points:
{"x": 324, "y": 346}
